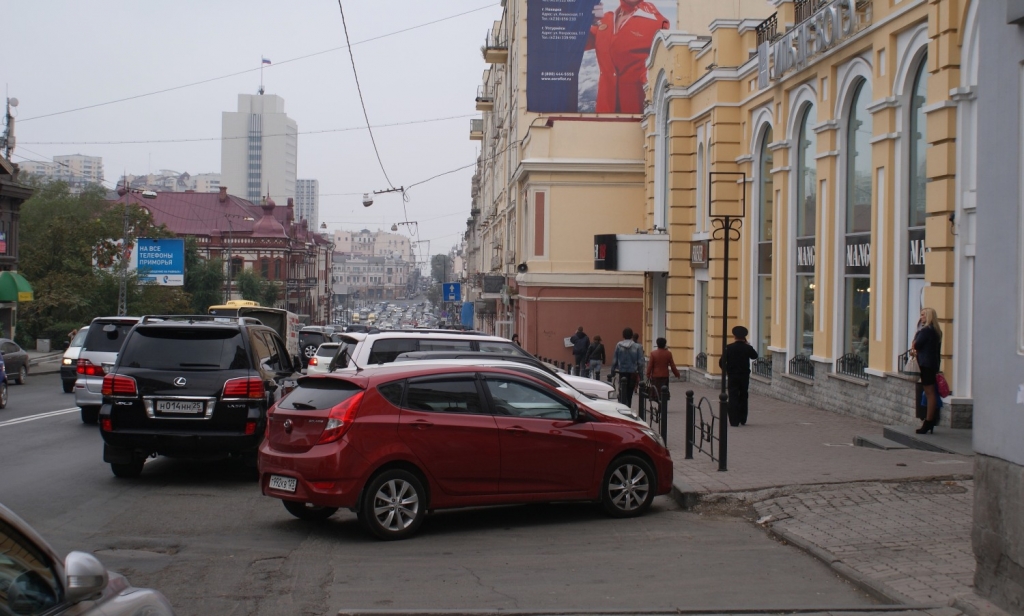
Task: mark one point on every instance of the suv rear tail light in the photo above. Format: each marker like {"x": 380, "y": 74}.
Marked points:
{"x": 244, "y": 387}
{"x": 119, "y": 385}
{"x": 88, "y": 368}
{"x": 340, "y": 419}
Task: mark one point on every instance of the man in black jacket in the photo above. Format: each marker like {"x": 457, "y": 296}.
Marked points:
{"x": 580, "y": 346}
{"x": 736, "y": 363}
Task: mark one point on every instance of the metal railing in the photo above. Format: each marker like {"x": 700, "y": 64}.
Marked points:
{"x": 701, "y": 362}
{"x": 762, "y": 366}
{"x": 484, "y": 94}
{"x": 801, "y": 365}
{"x": 653, "y": 405}
{"x": 476, "y": 125}
{"x": 852, "y": 365}
{"x": 805, "y": 9}
{"x": 496, "y": 40}
{"x": 702, "y": 431}
{"x": 768, "y": 31}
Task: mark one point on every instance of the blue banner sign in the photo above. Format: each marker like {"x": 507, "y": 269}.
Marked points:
{"x": 160, "y": 261}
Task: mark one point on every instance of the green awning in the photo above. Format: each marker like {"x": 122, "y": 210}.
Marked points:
{"x": 14, "y": 288}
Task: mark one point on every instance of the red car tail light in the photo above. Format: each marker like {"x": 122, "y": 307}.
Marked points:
{"x": 87, "y": 368}
{"x": 340, "y": 419}
{"x": 244, "y": 387}
{"x": 314, "y": 361}
{"x": 119, "y": 385}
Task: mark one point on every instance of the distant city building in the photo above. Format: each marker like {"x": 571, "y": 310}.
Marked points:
{"x": 259, "y": 149}
{"x": 77, "y": 170}
{"x": 167, "y": 180}
{"x": 373, "y": 243}
{"x": 307, "y": 202}
{"x": 371, "y": 265}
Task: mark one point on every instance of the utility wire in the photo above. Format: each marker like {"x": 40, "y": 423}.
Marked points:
{"x": 359, "y": 89}
{"x": 306, "y": 132}
{"x": 252, "y": 70}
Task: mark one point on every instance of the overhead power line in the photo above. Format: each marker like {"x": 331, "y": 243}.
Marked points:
{"x": 252, "y": 70}
{"x": 197, "y": 139}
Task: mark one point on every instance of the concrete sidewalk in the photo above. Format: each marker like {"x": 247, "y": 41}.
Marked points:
{"x": 895, "y": 522}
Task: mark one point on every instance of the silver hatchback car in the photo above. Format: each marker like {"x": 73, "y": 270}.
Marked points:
{"x": 33, "y": 580}
{"x": 98, "y": 355}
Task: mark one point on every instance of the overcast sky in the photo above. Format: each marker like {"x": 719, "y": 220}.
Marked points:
{"x": 64, "y": 54}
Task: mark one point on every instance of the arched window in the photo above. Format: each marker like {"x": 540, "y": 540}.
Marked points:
{"x": 918, "y": 178}
{"x": 764, "y": 244}
{"x": 857, "y": 250}
{"x": 806, "y": 216}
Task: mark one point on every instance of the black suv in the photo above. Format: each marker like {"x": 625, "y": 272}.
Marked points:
{"x": 191, "y": 386}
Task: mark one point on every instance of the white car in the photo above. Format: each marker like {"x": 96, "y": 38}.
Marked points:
{"x": 319, "y": 363}
{"x": 365, "y": 350}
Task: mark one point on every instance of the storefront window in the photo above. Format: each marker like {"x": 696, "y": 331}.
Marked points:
{"x": 917, "y": 180}
{"x": 806, "y": 206}
{"x": 857, "y": 249}
{"x": 702, "y": 318}
{"x": 764, "y": 247}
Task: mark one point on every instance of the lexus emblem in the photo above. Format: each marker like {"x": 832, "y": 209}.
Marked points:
{"x": 179, "y": 382}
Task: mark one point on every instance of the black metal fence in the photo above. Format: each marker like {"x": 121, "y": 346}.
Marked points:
{"x": 801, "y": 365}
{"x": 806, "y": 8}
{"x": 762, "y": 366}
{"x": 768, "y": 31}
{"x": 654, "y": 408}
{"x": 852, "y": 365}
{"x": 701, "y": 362}
{"x": 702, "y": 430}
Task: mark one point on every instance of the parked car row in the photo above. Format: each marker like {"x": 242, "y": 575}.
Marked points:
{"x": 388, "y": 424}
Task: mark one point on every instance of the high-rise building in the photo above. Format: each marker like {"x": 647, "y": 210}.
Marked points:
{"x": 307, "y": 202}
{"x": 77, "y": 170}
{"x": 259, "y": 149}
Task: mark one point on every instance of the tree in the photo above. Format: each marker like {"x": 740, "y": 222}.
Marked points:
{"x": 204, "y": 279}
{"x": 254, "y": 287}
{"x": 439, "y": 266}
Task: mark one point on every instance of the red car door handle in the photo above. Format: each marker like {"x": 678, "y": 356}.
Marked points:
{"x": 421, "y": 424}
{"x": 516, "y": 430}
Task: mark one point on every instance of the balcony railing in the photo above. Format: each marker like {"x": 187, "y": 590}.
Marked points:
{"x": 768, "y": 31}
{"x": 495, "y": 48}
{"x": 804, "y": 9}
{"x": 802, "y": 366}
{"x": 476, "y": 129}
{"x": 484, "y": 99}
{"x": 762, "y": 366}
{"x": 852, "y": 365}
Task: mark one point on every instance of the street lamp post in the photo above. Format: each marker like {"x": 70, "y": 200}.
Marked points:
{"x": 726, "y": 228}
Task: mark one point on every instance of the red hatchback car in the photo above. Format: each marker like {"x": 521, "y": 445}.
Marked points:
{"x": 392, "y": 443}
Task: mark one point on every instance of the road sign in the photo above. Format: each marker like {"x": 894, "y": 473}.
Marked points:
{"x": 451, "y": 292}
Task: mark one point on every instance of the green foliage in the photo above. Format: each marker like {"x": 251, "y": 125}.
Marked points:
{"x": 255, "y": 288}
{"x": 439, "y": 268}
{"x": 204, "y": 280}
{"x": 434, "y": 294}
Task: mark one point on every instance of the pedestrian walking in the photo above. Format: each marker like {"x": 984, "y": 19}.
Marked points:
{"x": 626, "y": 362}
{"x": 660, "y": 363}
{"x": 643, "y": 354}
{"x": 927, "y": 348}
{"x": 595, "y": 358}
{"x": 580, "y": 345}
{"x": 736, "y": 364}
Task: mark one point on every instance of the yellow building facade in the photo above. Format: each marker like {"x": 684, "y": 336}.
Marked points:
{"x": 835, "y": 125}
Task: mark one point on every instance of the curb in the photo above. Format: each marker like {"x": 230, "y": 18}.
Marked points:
{"x": 975, "y": 605}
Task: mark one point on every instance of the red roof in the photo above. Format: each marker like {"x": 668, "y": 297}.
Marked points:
{"x": 206, "y": 214}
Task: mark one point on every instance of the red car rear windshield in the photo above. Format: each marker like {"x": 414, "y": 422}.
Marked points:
{"x": 318, "y": 394}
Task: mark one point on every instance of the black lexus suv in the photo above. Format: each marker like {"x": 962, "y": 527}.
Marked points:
{"x": 192, "y": 387}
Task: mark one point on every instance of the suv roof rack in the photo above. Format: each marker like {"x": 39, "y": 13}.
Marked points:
{"x": 416, "y": 330}
{"x": 198, "y": 318}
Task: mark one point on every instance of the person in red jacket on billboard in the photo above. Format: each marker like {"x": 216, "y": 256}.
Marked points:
{"x": 622, "y": 40}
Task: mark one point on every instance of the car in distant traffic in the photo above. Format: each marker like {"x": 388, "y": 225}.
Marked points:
{"x": 192, "y": 387}
{"x": 69, "y": 363}
{"x": 96, "y": 357}
{"x": 310, "y": 339}
{"x": 319, "y": 363}
{"x": 3, "y": 384}
{"x": 16, "y": 360}
{"x": 397, "y": 441}
{"x": 33, "y": 580}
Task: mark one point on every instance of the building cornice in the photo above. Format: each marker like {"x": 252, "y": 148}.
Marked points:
{"x": 580, "y": 280}
{"x": 577, "y": 165}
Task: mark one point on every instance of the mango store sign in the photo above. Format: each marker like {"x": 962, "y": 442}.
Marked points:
{"x": 829, "y": 26}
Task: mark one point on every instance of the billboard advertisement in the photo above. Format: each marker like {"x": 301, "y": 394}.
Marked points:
{"x": 589, "y": 56}
{"x": 160, "y": 261}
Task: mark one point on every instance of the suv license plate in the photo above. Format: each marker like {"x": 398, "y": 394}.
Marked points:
{"x": 285, "y": 484}
{"x": 194, "y": 407}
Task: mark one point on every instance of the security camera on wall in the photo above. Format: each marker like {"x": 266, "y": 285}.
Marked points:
{"x": 367, "y": 200}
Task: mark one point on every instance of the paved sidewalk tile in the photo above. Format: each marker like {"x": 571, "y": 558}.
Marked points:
{"x": 912, "y": 537}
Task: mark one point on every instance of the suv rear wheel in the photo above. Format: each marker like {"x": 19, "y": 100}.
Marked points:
{"x": 394, "y": 505}
{"x": 309, "y": 511}
{"x": 130, "y": 470}
{"x": 90, "y": 414}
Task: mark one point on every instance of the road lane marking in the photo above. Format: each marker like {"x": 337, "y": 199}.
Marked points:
{"x": 20, "y": 420}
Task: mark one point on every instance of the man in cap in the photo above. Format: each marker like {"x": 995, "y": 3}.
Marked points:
{"x": 736, "y": 363}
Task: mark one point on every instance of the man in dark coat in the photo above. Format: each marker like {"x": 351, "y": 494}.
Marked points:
{"x": 580, "y": 345}
{"x": 736, "y": 363}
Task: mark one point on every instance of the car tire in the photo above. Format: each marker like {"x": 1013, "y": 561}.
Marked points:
{"x": 130, "y": 470}
{"x": 309, "y": 511}
{"x": 22, "y": 375}
{"x": 628, "y": 487}
{"x": 90, "y": 414}
{"x": 3, "y": 395}
{"x": 308, "y": 352}
{"x": 394, "y": 505}
{"x": 69, "y": 386}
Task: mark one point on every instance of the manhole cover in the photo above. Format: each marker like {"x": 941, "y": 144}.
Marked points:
{"x": 928, "y": 487}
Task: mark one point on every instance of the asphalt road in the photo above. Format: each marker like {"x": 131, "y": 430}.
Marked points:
{"x": 204, "y": 535}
